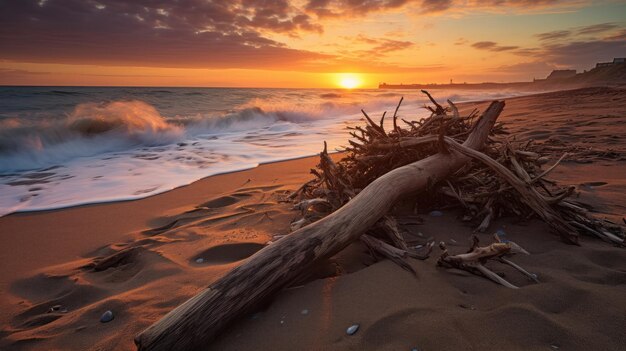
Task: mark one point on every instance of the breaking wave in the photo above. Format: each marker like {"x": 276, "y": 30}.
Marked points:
{"x": 90, "y": 129}
{"x": 94, "y": 128}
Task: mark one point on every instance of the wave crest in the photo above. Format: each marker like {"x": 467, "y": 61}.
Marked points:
{"x": 88, "y": 130}
{"x": 127, "y": 117}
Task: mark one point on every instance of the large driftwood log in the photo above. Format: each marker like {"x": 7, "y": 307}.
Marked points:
{"x": 198, "y": 320}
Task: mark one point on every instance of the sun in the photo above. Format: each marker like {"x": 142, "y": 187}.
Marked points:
{"x": 349, "y": 80}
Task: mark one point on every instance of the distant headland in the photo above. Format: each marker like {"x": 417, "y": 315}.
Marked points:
{"x": 604, "y": 73}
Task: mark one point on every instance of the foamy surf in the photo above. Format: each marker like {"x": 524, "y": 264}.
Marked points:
{"x": 152, "y": 141}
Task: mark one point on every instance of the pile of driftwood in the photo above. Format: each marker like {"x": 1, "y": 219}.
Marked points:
{"x": 505, "y": 179}
{"x": 435, "y": 159}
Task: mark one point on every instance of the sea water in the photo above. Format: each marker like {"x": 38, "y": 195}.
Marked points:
{"x": 67, "y": 146}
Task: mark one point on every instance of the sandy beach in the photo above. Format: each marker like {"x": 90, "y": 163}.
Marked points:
{"x": 55, "y": 285}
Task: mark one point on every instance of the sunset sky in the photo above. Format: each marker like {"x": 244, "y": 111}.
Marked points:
{"x": 301, "y": 43}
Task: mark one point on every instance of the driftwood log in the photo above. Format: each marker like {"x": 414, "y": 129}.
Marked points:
{"x": 198, "y": 320}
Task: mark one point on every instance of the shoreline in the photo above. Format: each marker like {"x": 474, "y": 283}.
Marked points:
{"x": 88, "y": 203}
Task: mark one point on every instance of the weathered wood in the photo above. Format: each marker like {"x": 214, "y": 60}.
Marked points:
{"x": 194, "y": 323}
{"x": 473, "y": 260}
{"x": 527, "y": 193}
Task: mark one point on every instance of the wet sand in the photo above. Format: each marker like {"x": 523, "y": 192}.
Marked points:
{"x": 174, "y": 244}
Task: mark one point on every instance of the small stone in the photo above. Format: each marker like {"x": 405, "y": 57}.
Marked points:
{"x": 82, "y": 327}
{"x": 305, "y": 312}
{"x": 467, "y": 307}
{"x": 107, "y": 317}
{"x": 57, "y": 308}
{"x": 452, "y": 241}
{"x": 352, "y": 329}
{"x": 199, "y": 260}
{"x": 435, "y": 213}
{"x": 554, "y": 346}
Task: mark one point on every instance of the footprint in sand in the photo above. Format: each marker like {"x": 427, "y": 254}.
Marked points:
{"x": 225, "y": 200}
{"x": 227, "y": 253}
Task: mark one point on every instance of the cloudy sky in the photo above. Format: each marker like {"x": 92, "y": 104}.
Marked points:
{"x": 301, "y": 43}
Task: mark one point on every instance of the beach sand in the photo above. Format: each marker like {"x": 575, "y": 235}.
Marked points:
{"x": 174, "y": 244}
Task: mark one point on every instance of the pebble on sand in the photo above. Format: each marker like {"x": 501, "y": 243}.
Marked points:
{"x": 436, "y": 213}
{"x": 305, "y": 312}
{"x": 502, "y": 235}
{"x": 352, "y": 329}
{"x": 57, "y": 308}
{"x": 199, "y": 260}
{"x": 107, "y": 317}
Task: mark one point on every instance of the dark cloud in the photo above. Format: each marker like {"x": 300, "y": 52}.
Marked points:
{"x": 532, "y": 4}
{"x": 190, "y": 33}
{"x": 554, "y": 35}
{"x": 435, "y": 6}
{"x": 580, "y": 47}
{"x": 378, "y": 50}
{"x": 206, "y": 33}
{"x": 388, "y": 45}
{"x": 531, "y": 52}
{"x": 580, "y": 32}
{"x": 353, "y": 8}
{"x": 382, "y": 45}
{"x": 349, "y": 8}
{"x": 583, "y": 54}
{"x": 597, "y": 28}
{"x": 576, "y": 53}
{"x": 492, "y": 46}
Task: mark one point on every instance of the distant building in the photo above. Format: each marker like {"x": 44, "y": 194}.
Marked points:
{"x": 561, "y": 74}
{"x": 616, "y": 61}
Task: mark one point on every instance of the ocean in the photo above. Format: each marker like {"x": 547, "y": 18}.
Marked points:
{"x": 68, "y": 146}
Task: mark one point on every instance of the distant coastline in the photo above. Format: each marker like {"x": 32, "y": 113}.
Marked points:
{"x": 603, "y": 74}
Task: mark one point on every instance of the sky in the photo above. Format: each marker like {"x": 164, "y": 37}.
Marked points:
{"x": 302, "y": 43}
